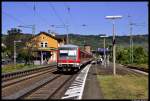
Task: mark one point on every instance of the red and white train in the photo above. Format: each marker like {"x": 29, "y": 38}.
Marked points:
{"x": 70, "y": 57}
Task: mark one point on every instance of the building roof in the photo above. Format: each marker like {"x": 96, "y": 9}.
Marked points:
{"x": 58, "y": 39}
{"x": 87, "y": 44}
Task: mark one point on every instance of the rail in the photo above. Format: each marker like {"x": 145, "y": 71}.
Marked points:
{"x": 137, "y": 68}
{"x": 7, "y": 76}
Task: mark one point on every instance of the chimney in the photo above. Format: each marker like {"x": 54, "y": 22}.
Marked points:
{"x": 87, "y": 48}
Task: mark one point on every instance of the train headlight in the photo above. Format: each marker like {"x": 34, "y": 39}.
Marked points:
{"x": 77, "y": 64}
{"x": 60, "y": 65}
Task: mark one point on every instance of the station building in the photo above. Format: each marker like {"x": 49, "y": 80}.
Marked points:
{"x": 45, "y": 47}
{"x": 87, "y": 48}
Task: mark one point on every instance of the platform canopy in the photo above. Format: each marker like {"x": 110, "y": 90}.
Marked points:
{"x": 101, "y": 51}
{"x": 46, "y": 49}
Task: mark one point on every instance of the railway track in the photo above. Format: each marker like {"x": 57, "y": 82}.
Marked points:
{"x": 41, "y": 85}
{"x": 134, "y": 70}
{"x": 48, "y": 84}
{"x": 120, "y": 70}
{"x": 49, "y": 89}
{"x": 21, "y": 73}
{"x": 11, "y": 87}
{"x": 22, "y": 78}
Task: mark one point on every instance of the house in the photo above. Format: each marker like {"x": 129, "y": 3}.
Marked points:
{"x": 45, "y": 46}
{"x": 87, "y": 48}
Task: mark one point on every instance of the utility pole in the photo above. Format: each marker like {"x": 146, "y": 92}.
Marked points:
{"x": 131, "y": 24}
{"x": 33, "y": 29}
{"x": 131, "y": 41}
{"x": 67, "y": 34}
{"x": 63, "y": 26}
{"x": 108, "y": 58}
{"x": 29, "y": 26}
{"x": 15, "y": 51}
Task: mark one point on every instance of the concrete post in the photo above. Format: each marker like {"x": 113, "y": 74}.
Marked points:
{"x": 15, "y": 53}
{"x": 114, "y": 50}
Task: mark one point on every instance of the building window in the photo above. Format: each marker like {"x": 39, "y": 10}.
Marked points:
{"x": 41, "y": 44}
{"x": 45, "y": 44}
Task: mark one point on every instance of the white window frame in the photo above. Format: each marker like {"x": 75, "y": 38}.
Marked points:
{"x": 44, "y": 44}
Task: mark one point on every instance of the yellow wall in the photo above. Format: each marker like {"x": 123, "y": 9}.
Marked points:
{"x": 44, "y": 38}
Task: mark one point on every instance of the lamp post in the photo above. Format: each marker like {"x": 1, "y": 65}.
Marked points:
{"x": 113, "y": 18}
{"x": 104, "y": 36}
{"x": 15, "y": 51}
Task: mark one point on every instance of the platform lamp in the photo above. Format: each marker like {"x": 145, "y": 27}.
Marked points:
{"x": 113, "y": 18}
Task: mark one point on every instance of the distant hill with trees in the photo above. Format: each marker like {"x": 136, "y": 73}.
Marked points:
{"x": 122, "y": 42}
{"x": 96, "y": 42}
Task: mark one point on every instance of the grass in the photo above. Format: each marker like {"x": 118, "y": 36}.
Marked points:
{"x": 124, "y": 87}
{"x": 12, "y": 68}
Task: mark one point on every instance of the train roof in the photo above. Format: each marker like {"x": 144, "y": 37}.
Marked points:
{"x": 69, "y": 45}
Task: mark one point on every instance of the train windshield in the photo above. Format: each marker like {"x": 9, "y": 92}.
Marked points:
{"x": 68, "y": 54}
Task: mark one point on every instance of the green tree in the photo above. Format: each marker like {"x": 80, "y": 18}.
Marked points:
{"x": 13, "y": 34}
{"x": 140, "y": 56}
{"x": 122, "y": 55}
{"x": 28, "y": 52}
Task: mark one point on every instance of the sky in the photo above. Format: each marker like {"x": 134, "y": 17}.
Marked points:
{"x": 91, "y": 14}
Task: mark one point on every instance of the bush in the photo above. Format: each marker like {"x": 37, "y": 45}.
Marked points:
{"x": 140, "y": 56}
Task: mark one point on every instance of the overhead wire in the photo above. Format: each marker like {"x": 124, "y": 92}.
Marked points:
{"x": 69, "y": 12}
{"x": 13, "y": 17}
{"x": 36, "y": 14}
{"x": 58, "y": 16}
{"x": 35, "y": 11}
{"x": 71, "y": 17}
{"x": 41, "y": 17}
{"x": 68, "y": 9}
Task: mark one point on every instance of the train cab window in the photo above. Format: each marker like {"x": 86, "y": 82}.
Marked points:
{"x": 68, "y": 54}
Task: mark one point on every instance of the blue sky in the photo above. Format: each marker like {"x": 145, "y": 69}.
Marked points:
{"x": 90, "y": 13}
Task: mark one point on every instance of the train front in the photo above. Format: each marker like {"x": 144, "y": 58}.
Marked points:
{"x": 68, "y": 58}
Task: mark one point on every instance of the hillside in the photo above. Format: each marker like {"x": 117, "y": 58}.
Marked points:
{"x": 95, "y": 41}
